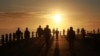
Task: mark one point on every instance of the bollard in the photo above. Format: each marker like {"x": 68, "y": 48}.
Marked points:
{"x": 14, "y": 36}
{"x": 2, "y": 40}
{"x": 6, "y": 39}
{"x": 10, "y": 37}
{"x": 32, "y": 34}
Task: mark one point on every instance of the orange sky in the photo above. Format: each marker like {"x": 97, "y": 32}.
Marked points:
{"x": 24, "y": 13}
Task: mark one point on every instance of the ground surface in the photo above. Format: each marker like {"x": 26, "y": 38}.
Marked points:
{"x": 60, "y": 47}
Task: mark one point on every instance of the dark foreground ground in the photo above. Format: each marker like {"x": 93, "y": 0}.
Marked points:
{"x": 37, "y": 47}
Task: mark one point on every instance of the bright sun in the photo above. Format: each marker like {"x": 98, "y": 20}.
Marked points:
{"x": 57, "y": 18}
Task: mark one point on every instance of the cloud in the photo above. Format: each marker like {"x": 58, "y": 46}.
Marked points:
{"x": 17, "y": 14}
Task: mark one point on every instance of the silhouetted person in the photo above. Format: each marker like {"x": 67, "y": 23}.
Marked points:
{"x": 98, "y": 31}
{"x": 27, "y": 33}
{"x": 18, "y": 34}
{"x": 32, "y": 34}
{"x": 78, "y": 31}
{"x": 39, "y": 31}
{"x": 71, "y": 37}
{"x": 94, "y": 32}
{"x": 53, "y": 32}
{"x": 60, "y": 33}
{"x": 67, "y": 34}
{"x": 57, "y": 33}
{"x": 47, "y": 35}
{"x": 63, "y": 32}
{"x": 83, "y": 33}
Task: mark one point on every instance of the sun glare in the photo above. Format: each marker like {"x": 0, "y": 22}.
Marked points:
{"x": 57, "y": 18}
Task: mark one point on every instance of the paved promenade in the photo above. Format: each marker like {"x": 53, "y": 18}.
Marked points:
{"x": 60, "y": 48}
{"x": 37, "y": 47}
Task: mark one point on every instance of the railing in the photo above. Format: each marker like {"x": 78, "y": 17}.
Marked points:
{"x": 11, "y": 37}
{"x": 10, "y": 43}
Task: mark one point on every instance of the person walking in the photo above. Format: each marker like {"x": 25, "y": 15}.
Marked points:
{"x": 71, "y": 38}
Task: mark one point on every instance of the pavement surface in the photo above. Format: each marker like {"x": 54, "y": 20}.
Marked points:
{"x": 60, "y": 47}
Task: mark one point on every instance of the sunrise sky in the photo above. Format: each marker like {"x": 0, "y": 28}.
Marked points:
{"x": 32, "y": 13}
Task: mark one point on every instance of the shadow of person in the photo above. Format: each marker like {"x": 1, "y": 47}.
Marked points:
{"x": 46, "y": 52}
{"x": 56, "y": 52}
{"x": 47, "y": 49}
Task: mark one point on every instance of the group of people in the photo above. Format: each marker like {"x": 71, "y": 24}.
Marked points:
{"x": 46, "y": 33}
{"x": 19, "y": 34}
